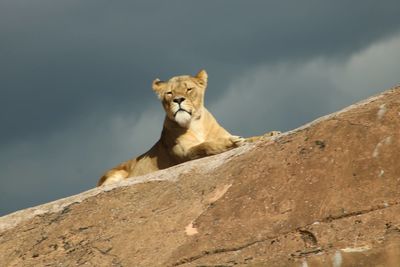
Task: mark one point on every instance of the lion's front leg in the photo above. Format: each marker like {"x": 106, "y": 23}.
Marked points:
{"x": 214, "y": 147}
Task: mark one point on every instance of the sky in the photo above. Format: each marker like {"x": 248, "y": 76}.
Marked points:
{"x": 75, "y": 76}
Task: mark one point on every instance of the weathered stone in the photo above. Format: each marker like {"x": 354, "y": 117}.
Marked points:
{"x": 326, "y": 194}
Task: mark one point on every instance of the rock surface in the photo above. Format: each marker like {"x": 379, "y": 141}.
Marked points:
{"x": 326, "y": 194}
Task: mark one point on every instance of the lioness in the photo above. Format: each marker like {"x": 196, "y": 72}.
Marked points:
{"x": 189, "y": 131}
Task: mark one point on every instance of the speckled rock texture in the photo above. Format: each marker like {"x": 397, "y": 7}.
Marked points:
{"x": 326, "y": 194}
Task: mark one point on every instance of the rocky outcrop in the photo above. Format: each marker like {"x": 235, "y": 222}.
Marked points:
{"x": 326, "y": 194}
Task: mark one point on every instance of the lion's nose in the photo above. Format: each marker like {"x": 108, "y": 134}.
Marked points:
{"x": 179, "y": 100}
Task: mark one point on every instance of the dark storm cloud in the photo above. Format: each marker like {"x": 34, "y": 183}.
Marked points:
{"x": 72, "y": 57}
{"x": 72, "y": 72}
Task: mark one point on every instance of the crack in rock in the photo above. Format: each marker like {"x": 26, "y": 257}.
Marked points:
{"x": 217, "y": 251}
{"x": 309, "y": 236}
{"x": 331, "y": 218}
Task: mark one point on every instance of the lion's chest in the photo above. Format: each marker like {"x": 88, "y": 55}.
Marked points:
{"x": 195, "y": 136}
{"x": 191, "y": 139}
{"x": 197, "y": 133}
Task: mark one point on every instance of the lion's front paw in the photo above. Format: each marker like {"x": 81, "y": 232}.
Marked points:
{"x": 237, "y": 140}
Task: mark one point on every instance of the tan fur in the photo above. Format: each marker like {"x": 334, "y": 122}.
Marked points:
{"x": 187, "y": 134}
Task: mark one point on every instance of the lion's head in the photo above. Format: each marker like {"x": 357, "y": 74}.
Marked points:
{"x": 182, "y": 96}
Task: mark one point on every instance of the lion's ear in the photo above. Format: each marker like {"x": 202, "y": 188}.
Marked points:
{"x": 158, "y": 86}
{"x": 202, "y": 76}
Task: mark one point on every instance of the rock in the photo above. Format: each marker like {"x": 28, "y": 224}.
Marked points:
{"x": 326, "y": 194}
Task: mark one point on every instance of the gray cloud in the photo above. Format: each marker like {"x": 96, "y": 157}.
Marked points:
{"x": 283, "y": 96}
{"x": 75, "y": 76}
{"x": 69, "y": 161}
